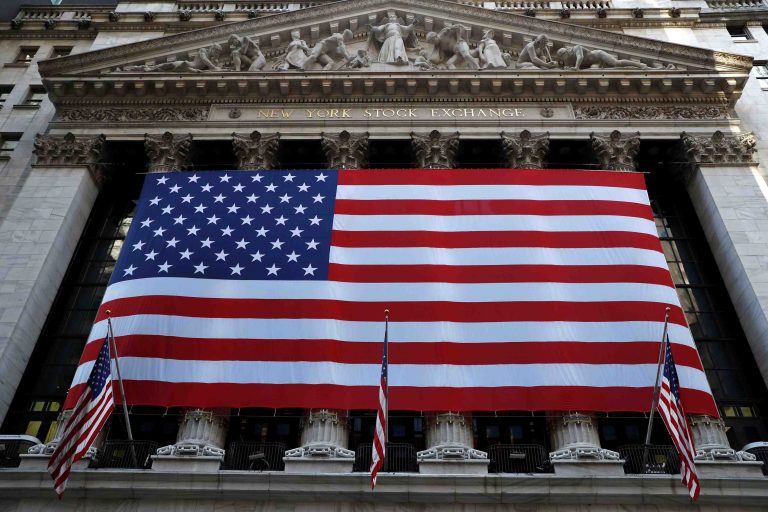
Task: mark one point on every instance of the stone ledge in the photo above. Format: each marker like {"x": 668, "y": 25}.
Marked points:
{"x": 16, "y": 484}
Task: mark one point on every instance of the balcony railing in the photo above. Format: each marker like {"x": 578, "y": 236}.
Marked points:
{"x": 519, "y": 458}
{"x": 759, "y": 450}
{"x": 126, "y": 455}
{"x": 661, "y": 459}
{"x": 250, "y": 456}
{"x": 400, "y": 458}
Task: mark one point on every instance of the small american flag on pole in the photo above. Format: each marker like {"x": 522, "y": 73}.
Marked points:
{"x": 93, "y": 405}
{"x": 380, "y": 435}
{"x": 671, "y": 410}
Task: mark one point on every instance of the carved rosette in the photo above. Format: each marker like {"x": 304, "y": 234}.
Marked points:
{"x": 168, "y": 152}
{"x": 435, "y": 151}
{"x": 616, "y": 152}
{"x": 71, "y": 150}
{"x": 345, "y": 150}
{"x": 574, "y": 437}
{"x": 255, "y": 151}
{"x": 720, "y": 149}
{"x": 525, "y": 151}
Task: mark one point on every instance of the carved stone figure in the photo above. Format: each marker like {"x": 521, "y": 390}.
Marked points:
{"x": 206, "y": 59}
{"x": 435, "y": 151}
{"x": 577, "y": 57}
{"x": 535, "y": 55}
{"x": 489, "y": 53}
{"x": 254, "y": 150}
{"x": 345, "y": 151}
{"x": 244, "y": 50}
{"x": 360, "y": 60}
{"x": 327, "y": 51}
{"x": 422, "y": 62}
{"x": 451, "y": 50}
{"x": 525, "y": 151}
{"x": 389, "y": 40}
{"x": 167, "y": 152}
{"x": 616, "y": 152}
{"x": 295, "y": 54}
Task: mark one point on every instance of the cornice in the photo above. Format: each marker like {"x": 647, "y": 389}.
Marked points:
{"x": 448, "y": 10}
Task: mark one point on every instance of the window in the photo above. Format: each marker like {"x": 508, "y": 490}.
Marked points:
{"x": 26, "y": 54}
{"x": 5, "y": 91}
{"x": 739, "y": 32}
{"x": 8, "y": 143}
{"x": 60, "y": 51}
{"x": 35, "y": 97}
{"x": 761, "y": 73}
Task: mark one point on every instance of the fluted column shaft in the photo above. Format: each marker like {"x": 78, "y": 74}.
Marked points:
{"x": 574, "y": 436}
{"x": 202, "y": 433}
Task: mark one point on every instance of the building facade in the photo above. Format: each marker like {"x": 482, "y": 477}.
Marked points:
{"x": 95, "y": 97}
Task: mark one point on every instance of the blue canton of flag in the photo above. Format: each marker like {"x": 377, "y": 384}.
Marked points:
{"x": 235, "y": 225}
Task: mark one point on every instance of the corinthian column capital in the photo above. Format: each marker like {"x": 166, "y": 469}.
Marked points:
{"x": 345, "y": 150}
{"x": 168, "y": 152}
{"x": 720, "y": 149}
{"x": 71, "y": 150}
{"x": 616, "y": 152}
{"x": 525, "y": 151}
{"x": 255, "y": 151}
{"x": 435, "y": 151}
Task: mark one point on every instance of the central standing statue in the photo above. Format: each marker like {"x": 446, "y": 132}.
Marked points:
{"x": 389, "y": 39}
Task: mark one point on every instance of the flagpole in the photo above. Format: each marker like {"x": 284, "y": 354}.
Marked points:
{"x": 122, "y": 389}
{"x": 386, "y": 351}
{"x": 656, "y": 389}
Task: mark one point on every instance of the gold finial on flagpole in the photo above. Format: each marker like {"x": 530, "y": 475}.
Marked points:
{"x": 386, "y": 313}
{"x": 109, "y": 313}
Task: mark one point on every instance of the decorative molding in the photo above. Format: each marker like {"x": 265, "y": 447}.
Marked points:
{"x": 345, "y": 150}
{"x": 71, "y": 150}
{"x": 168, "y": 152}
{"x": 525, "y": 151}
{"x": 655, "y": 113}
{"x": 435, "y": 151}
{"x": 255, "y": 151}
{"x": 119, "y": 115}
{"x": 720, "y": 149}
{"x": 616, "y": 152}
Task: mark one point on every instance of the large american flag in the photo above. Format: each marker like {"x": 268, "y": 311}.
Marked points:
{"x": 93, "y": 403}
{"x": 671, "y": 410}
{"x": 514, "y": 290}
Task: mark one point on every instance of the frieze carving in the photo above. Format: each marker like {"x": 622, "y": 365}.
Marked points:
{"x": 168, "y": 152}
{"x": 616, "y": 152}
{"x": 720, "y": 149}
{"x": 118, "y": 115}
{"x": 651, "y": 112}
{"x": 255, "y": 151}
{"x": 525, "y": 151}
{"x": 435, "y": 151}
{"x": 69, "y": 150}
{"x": 345, "y": 150}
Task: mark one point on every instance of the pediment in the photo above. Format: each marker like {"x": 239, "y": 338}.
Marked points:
{"x": 299, "y": 52}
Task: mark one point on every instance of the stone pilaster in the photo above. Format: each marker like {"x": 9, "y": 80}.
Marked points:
{"x": 525, "y": 151}
{"x": 255, "y": 151}
{"x": 345, "y": 150}
{"x": 450, "y": 446}
{"x": 324, "y": 441}
{"x": 168, "y": 152}
{"x": 199, "y": 442}
{"x": 576, "y": 445}
{"x": 616, "y": 152}
{"x": 434, "y": 150}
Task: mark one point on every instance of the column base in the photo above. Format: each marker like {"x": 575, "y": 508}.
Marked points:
{"x": 579, "y": 468}
{"x": 729, "y": 469}
{"x": 39, "y": 462}
{"x": 454, "y": 467}
{"x": 186, "y": 464}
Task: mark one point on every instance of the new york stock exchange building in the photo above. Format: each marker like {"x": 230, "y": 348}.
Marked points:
{"x": 455, "y": 162}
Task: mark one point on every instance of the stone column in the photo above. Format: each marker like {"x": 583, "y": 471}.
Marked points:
{"x": 615, "y": 151}
{"x": 37, "y": 456}
{"x": 40, "y": 225}
{"x": 255, "y": 151}
{"x": 450, "y": 441}
{"x": 168, "y": 152}
{"x": 324, "y": 441}
{"x": 199, "y": 443}
{"x": 435, "y": 151}
{"x": 525, "y": 151}
{"x": 345, "y": 150}
{"x": 576, "y": 445}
